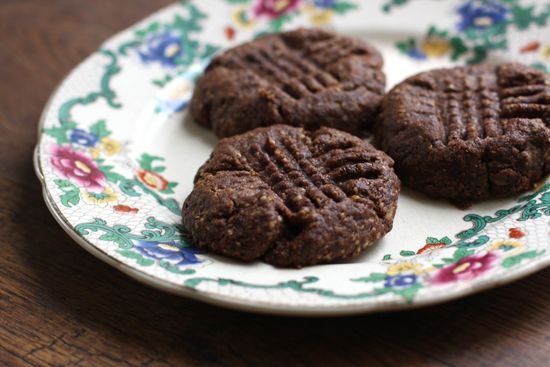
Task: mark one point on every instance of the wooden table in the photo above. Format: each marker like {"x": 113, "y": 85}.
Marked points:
{"x": 61, "y": 306}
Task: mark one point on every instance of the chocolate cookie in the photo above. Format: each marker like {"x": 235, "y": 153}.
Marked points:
{"x": 469, "y": 133}
{"x": 292, "y": 197}
{"x": 308, "y": 78}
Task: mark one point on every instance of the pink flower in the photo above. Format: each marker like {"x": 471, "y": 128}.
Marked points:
{"x": 274, "y": 8}
{"x": 77, "y": 167}
{"x": 466, "y": 268}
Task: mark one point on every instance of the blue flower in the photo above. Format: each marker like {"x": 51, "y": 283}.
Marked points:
{"x": 325, "y": 4}
{"x": 481, "y": 15}
{"x": 168, "y": 251}
{"x": 416, "y": 54}
{"x": 401, "y": 280}
{"x": 84, "y": 138}
{"x": 165, "y": 48}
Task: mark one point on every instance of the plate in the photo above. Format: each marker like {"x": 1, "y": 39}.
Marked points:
{"x": 117, "y": 154}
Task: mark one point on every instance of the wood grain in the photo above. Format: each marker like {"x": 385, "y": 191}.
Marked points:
{"x": 61, "y": 306}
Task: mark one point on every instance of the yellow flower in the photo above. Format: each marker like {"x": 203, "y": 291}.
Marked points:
{"x": 406, "y": 267}
{"x": 94, "y": 152}
{"x": 242, "y": 19}
{"x": 545, "y": 52}
{"x": 321, "y": 17}
{"x": 110, "y": 146}
{"x": 317, "y": 16}
{"x": 106, "y": 197}
{"x": 435, "y": 47}
{"x": 510, "y": 247}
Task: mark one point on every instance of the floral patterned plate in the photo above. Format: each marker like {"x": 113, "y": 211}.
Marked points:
{"x": 117, "y": 154}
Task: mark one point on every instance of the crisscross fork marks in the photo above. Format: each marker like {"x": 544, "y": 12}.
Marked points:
{"x": 471, "y": 108}
{"x": 527, "y": 101}
{"x": 351, "y": 164}
{"x": 262, "y": 64}
{"x": 311, "y": 68}
{"x": 490, "y": 107}
{"x": 332, "y": 50}
{"x": 291, "y": 72}
{"x": 297, "y": 71}
{"x": 355, "y": 171}
{"x": 349, "y": 156}
{"x": 326, "y": 52}
{"x": 474, "y": 111}
{"x": 329, "y": 175}
{"x": 426, "y": 105}
{"x": 348, "y": 163}
{"x": 282, "y": 177}
{"x": 325, "y": 148}
{"x": 294, "y": 174}
{"x": 303, "y": 171}
{"x": 455, "y": 127}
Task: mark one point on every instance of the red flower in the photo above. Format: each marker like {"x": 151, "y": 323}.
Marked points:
{"x": 229, "y": 33}
{"x": 152, "y": 179}
{"x": 468, "y": 267}
{"x": 274, "y": 8}
{"x": 530, "y": 47}
{"x": 515, "y": 233}
{"x": 430, "y": 247}
{"x": 125, "y": 209}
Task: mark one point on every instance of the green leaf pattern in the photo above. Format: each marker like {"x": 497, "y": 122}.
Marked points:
{"x": 71, "y": 193}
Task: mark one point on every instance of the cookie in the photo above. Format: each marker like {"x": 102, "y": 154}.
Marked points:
{"x": 291, "y": 197}
{"x": 469, "y": 133}
{"x": 307, "y": 78}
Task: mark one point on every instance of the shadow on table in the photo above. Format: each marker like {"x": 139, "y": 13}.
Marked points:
{"x": 152, "y": 325}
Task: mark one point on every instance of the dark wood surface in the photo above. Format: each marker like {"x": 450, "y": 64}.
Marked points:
{"x": 61, "y": 306}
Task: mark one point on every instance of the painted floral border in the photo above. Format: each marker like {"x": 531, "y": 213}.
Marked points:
{"x": 473, "y": 254}
{"x": 484, "y": 27}
{"x": 268, "y": 16}
{"x": 83, "y": 160}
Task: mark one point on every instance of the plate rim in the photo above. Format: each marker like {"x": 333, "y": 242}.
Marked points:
{"x": 269, "y": 308}
{"x": 236, "y": 303}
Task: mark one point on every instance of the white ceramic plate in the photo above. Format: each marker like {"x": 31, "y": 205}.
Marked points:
{"x": 117, "y": 154}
